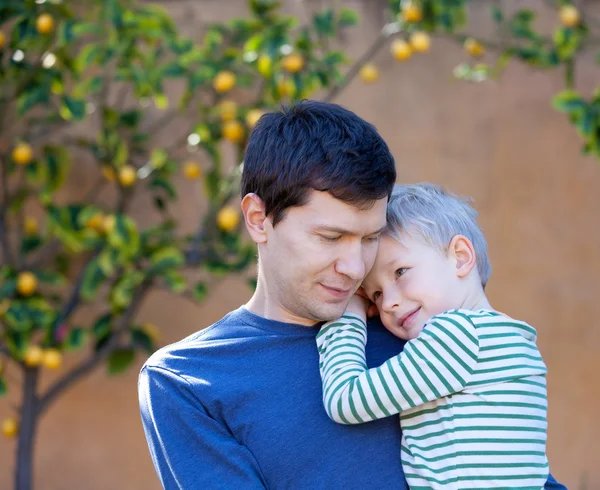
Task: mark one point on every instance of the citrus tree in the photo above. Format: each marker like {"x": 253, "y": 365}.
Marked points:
{"x": 90, "y": 81}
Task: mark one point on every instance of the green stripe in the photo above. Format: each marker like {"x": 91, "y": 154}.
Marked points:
{"x": 388, "y": 392}
{"x": 452, "y": 354}
{"x": 361, "y": 336}
{"x": 476, "y": 477}
{"x": 499, "y": 335}
{"x": 510, "y": 356}
{"x": 520, "y": 326}
{"x": 364, "y": 401}
{"x": 412, "y": 382}
{"x": 391, "y": 369}
{"x": 479, "y": 441}
{"x": 446, "y": 365}
{"x": 477, "y": 453}
{"x": 339, "y": 324}
{"x": 508, "y": 346}
{"x": 473, "y": 428}
{"x": 333, "y": 384}
{"x": 459, "y": 416}
{"x": 467, "y": 351}
{"x": 513, "y": 392}
{"x": 438, "y": 375}
{"x": 491, "y": 381}
{"x": 332, "y": 348}
{"x": 376, "y": 396}
{"x": 529, "y": 382}
{"x": 467, "y": 466}
{"x": 340, "y": 412}
{"x": 505, "y": 368}
{"x": 421, "y": 373}
{"x": 352, "y": 407}
{"x": 461, "y": 325}
{"x": 480, "y": 415}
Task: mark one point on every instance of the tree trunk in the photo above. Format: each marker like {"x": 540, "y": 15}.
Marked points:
{"x": 27, "y": 428}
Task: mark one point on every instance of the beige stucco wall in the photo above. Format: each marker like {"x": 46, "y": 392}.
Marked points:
{"x": 539, "y": 200}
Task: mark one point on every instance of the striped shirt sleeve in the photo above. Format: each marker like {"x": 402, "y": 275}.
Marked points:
{"x": 437, "y": 363}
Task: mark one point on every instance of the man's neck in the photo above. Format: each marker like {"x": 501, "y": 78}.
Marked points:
{"x": 262, "y": 305}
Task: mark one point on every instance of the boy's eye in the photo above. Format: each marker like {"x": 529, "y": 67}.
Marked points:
{"x": 401, "y": 271}
{"x": 376, "y": 295}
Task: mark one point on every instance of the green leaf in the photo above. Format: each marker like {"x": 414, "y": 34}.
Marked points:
{"x": 348, "y": 17}
{"x": 103, "y": 326}
{"x": 324, "y": 23}
{"x": 120, "y": 360}
{"x": 141, "y": 339}
{"x": 75, "y": 339}
{"x": 175, "y": 281}
{"x": 497, "y": 14}
{"x": 93, "y": 278}
{"x": 31, "y": 97}
{"x": 588, "y": 123}
{"x": 200, "y": 292}
{"x": 122, "y": 292}
{"x": 30, "y": 243}
{"x": 57, "y": 165}
{"x": 8, "y": 288}
{"x": 52, "y": 278}
{"x": 164, "y": 184}
{"x": 92, "y": 53}
{"x": 165, "y": 258}
{"x": 3, "y": 387}
{"x": 131, "y": 118}
{"x": 568, "y": 101}
{"x": 125, "y": 236}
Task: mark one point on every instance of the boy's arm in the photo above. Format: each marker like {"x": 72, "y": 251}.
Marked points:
{"x": 437, "y": 363}
{"x": 189, "y": 448}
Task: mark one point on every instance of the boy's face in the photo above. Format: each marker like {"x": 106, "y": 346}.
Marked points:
{"x": 410, "y": 283}
{"x": 317, "y": 256}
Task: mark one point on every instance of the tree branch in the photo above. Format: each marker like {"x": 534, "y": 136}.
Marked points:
{"x": 385, "y": 33}
{"x": 89, "y": 364}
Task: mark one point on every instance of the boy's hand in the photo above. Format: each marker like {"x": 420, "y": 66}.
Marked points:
{"x": 361, "y": 305}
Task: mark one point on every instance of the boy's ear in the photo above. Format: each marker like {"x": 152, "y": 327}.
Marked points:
{"x": 462, "y": 251}
{"x": 253, "y": 209}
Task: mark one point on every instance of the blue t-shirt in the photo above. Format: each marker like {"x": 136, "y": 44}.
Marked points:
{"x": 239, "y": 406}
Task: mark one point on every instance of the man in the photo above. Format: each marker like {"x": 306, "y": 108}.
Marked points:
{"x": 239, "y": 404}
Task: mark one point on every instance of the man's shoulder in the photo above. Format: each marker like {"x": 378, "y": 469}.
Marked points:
{"x": 215, "y": 338}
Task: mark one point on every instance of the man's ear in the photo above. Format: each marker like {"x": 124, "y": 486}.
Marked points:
{"x": 253, "y": 209}
{"x": 462, "y": 251}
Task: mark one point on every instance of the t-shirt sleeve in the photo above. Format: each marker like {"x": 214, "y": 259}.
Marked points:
{"x": 439, "y": 362}
{"x": 189, "y": 448}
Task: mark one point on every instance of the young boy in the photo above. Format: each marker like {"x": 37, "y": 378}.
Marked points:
{"x": 470, "y": 383}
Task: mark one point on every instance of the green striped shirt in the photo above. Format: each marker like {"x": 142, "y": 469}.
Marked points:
{"x": 470, "y": 391}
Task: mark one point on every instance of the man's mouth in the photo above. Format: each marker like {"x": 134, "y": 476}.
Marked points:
{"x": 338, "y": 292}
{"x": 406, "y": 320}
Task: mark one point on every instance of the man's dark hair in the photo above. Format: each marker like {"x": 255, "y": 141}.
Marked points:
{"x": 320, "y": 146}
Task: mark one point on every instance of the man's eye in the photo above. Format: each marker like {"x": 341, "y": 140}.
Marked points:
{"x": 401, "y": 271}
{"x": 376, "y": 295}
{"x": 331, "y": 238}
{"x": 371, "y": 239}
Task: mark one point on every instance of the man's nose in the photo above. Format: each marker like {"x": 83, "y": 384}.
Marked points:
{"x": 352, "y": 264}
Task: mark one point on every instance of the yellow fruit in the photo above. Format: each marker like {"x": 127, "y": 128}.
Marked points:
{"x": 96, "y": 222}
{"x": 224, "y": 81}
{"x": 569, "y": 15}
{"x": 474, "y": 48}
{"x": 26, "y": 283}
{"x": 369, "y": 73}
{"x": 22, "y": 154}
{"x": 108, "y": 224}
{"x": 191, "y": 170}
{"x": 127, "y": 176}
{"x": 228, "y": 219}
{"x": 109, "y": 173}
{"x": 411, "y": 12}
{"x": 152, "y": 331}
{"x": 233, "y": 131}
{"x": 420, "y": 41}
{"x": 33, "y": 356}
{"x": 30, "y": 225}
{"x": 227, "y": 110}
{"x": 44, "y": 24}
{"x": 10, "y": 427}
{"x": 52, "y": 358}
{"x": 292, "y": 63}
{"x": 2, "y": 39}
{"x": 400, "y": 49}
{"x": 286, "y": 87}
{"x": 253, "y": 116}
{"x": 264, "y": 65}
{"x": 4, "y": 306}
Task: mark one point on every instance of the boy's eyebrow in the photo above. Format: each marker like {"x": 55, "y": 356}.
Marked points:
{"x": 342, "y": 231}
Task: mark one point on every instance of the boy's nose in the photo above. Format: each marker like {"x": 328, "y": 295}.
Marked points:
{"x": 390, "y": 303}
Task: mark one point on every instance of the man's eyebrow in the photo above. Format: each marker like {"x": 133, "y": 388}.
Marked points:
{"x": 342, "y": 231}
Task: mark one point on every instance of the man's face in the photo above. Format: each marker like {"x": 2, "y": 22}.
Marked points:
{"x": 316, "y": 257}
